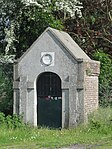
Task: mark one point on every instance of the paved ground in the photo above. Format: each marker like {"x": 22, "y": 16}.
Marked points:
{"x": 75, "y": 146}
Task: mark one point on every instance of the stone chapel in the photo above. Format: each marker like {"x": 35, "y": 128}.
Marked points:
{"x": 55, "y": 82}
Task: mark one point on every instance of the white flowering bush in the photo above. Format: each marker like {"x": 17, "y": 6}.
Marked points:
{"x": 67, "y": 6}
{"x": 7, "y": 59}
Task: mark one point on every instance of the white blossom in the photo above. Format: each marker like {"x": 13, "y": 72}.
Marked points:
{"x": 70, "y": 6}
{"x": 29, "y": 2}
{"x": 9, "y": 38}
{"x": 7, "y": 59}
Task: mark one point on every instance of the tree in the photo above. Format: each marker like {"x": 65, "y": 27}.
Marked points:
{"x": 30, "y": 24}
{"x": 9, "y": 9}
{"x": 22, "y": 14}
{"x": 18, "y": 21}
{"x": 6, "y": 94}
{"x": 93, "y": 30}
{"x": 105, "y": 78}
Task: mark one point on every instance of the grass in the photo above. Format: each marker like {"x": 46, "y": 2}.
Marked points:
{"x": 44, "y": 137}
{"x": 98, "y": 132}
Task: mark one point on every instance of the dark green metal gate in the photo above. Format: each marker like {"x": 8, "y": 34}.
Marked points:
{"x": 49, "y": 100}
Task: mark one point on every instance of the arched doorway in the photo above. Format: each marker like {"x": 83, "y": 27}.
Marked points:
{"x": 49, "y": 100}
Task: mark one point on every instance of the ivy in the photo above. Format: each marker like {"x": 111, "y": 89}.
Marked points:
{"x": 105, "y": 78}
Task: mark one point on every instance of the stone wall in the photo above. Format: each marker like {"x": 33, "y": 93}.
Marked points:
{"x": 90, "y": 87}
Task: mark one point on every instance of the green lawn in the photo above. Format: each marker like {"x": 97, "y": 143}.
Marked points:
{"x": 38, "y": 138}
{"x": 97, "y": 133}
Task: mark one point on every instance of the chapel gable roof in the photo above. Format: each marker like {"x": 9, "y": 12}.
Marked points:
{"x": 70, "y": 45}
{"x": 66, "y": 41}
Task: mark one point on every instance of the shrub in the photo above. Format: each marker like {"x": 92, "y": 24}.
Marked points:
{"x": 17, "y": 121}
{"x": 2, "y": 118}
{"x": 101, "y": 120}
{"x": 12, "y": 122}
{"x": 105, "y": 78}
{"x": 6, "y": 90}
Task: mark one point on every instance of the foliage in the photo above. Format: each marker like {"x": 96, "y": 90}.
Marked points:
{"x": 58, "y": 6}
{"x": 20, "y": 25}
{"x": 20, "y": 16}
{"x": 105, "y": 78}
{"x": 9, "y": 9}
{"x": 101, "y": 120}
{"x": 30, "y": 24}
{"x": 11, "y": 122}
{"x": 93, "y": 30}
{"x": 2, "y": 118}
{"x": 6, "y": 88}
